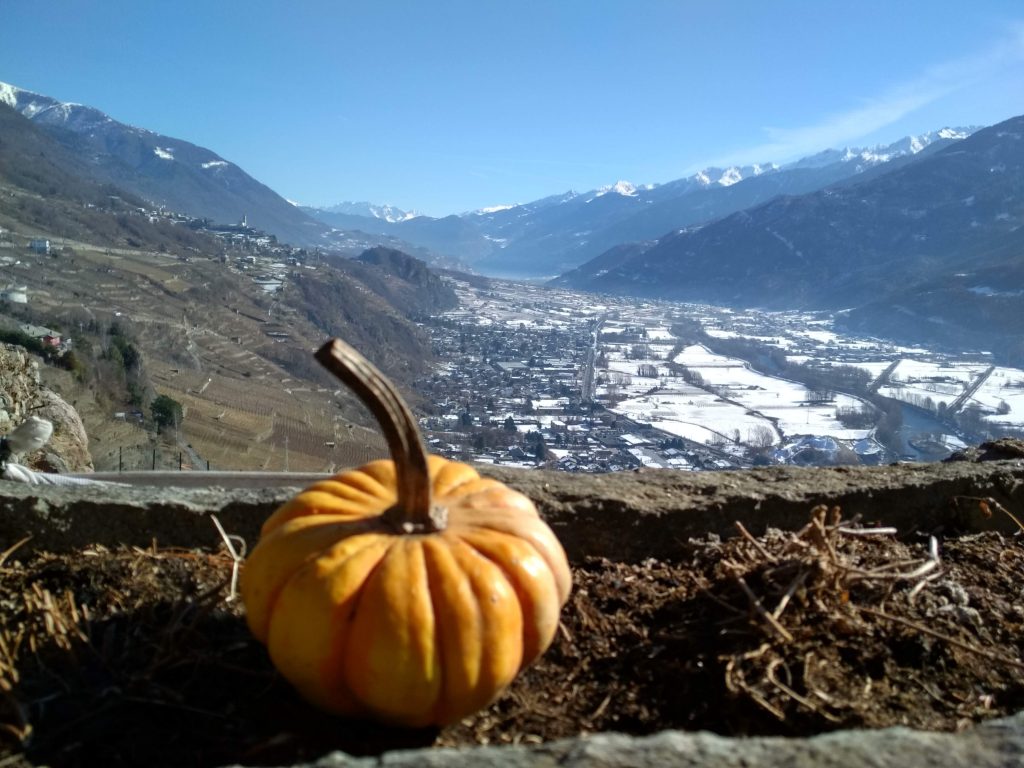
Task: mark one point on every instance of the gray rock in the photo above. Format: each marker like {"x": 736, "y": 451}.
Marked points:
{"x": 21, "y": 394}
{"x": 995, "y": 744}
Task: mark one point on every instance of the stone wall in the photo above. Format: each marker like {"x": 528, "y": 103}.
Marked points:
{"x": 625, "y": 516}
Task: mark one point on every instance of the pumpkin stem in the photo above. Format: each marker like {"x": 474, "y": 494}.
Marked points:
{"x": 414, "y": 511}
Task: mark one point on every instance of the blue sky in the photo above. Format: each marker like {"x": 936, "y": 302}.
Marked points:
{"x": 444, "y": 107}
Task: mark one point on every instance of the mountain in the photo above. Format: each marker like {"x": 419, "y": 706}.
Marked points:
{"x": 364, "y": 210}
{"x": 47, "y": 191}
{"x": 560, "y": 232}
{"x": 406, "y": 282}
{"x": 888, "y": 240}
{"x": 167, "y": 171}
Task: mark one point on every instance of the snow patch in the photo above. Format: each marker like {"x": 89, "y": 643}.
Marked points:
{"x": 9, "y": 94}
{"x": 216, "y": 164}
{"x": 164, "y": 154}
{"x": 730, "y": 176}
{"x": 624, "y": 188}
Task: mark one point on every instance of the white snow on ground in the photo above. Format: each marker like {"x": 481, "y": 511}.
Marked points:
{"x": 217, "y": 163}
{"x": 786, "y": 402}
{"x": 164, "y": 154}
{"x": 822, "y": 337}
{"x": 659, "y": 333}
{"x": 773, "y": 341}
{"x": 693, "y": 414}
{"x": 915, "y": 381}
{"x": 1004, "y": 386}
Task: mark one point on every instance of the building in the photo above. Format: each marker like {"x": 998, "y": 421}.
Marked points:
{"x": 39, "y": 245}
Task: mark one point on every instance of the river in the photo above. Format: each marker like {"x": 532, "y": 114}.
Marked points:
{"x": 917, "y": 424}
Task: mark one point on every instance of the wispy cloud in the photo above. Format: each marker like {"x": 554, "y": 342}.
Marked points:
{"x": 888, "y": 107}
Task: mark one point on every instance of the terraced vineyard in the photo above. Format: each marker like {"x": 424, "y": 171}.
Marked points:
{"x": 208, "y": 351}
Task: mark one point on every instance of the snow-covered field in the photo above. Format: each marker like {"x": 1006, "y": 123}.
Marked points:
{"x": 749, "y": 406}
{"x": 917, "y": 382}
{"x": 785, "y": 402}
{"x": 696, "y": 415}
{"x": 1002, "y": 391}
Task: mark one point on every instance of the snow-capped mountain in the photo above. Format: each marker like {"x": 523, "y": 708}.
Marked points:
{"x": 925, "y": 235}
{"x": 386, "y": 212}
{"x": 559, "y": 232}
{"x": 866, "y": 157}
{"x": 167, "y": 171}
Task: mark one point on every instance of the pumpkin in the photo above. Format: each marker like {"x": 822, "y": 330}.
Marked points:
{"x": 411, "y": 591}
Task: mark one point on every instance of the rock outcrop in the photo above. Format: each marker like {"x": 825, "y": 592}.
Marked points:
{"x": 22, "y": 394}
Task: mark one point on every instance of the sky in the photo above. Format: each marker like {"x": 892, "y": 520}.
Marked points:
{"x": 445, "y": 107}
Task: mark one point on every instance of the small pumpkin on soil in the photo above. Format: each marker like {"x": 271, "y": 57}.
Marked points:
{"x": 411, "y": 591}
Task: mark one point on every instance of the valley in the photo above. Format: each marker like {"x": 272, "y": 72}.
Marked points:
{"x": 535, "y": 376}
{"x": 113, "y": 244}
{"x": 517, "y": 374}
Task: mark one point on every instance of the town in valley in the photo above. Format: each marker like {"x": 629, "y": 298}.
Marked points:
{"x": 535, "y": 376}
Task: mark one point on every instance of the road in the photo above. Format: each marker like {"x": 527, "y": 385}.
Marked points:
{"x": 587, "y": 389}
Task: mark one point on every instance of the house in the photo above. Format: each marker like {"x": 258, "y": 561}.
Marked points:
{"x": 51, "y": 340}
{"x": 39, "y": 246}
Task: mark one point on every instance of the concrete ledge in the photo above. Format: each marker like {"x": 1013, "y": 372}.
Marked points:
{"x": 625, "y": 516}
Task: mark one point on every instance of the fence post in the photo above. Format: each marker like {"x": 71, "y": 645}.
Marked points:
{"x": 154, "y": 457}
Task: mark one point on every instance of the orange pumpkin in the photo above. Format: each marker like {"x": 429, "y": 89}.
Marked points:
{"x": 411, "y": 591}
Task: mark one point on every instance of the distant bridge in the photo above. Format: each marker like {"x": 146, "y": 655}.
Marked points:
{"x": 971, "y": 389}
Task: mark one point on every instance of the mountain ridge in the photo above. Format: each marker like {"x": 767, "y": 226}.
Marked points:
{"x": 556, "y": 233}
{"x": 888, "y": 239}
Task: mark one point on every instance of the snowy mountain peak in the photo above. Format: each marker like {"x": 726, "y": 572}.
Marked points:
{"x": 386, "y": 212}
{"x": 494, "y": 209}
{"x": 50, "y": 111}
{"x": 726, "y": 177}
{"x": 624, "y": 188}
{"x": 9, "y": 94}
{"x": 730, "y": 176}
{"x": 882, "y": 153}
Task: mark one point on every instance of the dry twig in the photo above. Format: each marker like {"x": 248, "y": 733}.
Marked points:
{"x": 237, "y": 557}
{"x": 944, "y": 638}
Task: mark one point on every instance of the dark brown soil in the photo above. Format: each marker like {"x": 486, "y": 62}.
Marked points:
{"x": 135, "y": 657}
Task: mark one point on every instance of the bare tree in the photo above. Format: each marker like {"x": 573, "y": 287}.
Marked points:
{"x": 760, "y": 437}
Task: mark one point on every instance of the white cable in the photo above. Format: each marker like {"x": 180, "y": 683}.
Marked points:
{"x": 29, "y": 437}
{"x": 22, "y": 474}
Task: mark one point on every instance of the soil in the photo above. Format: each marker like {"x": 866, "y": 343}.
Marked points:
{"x": 133, "y": 656}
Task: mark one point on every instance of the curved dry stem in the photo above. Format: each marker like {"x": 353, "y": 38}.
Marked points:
{"x": 414, "y": 510}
